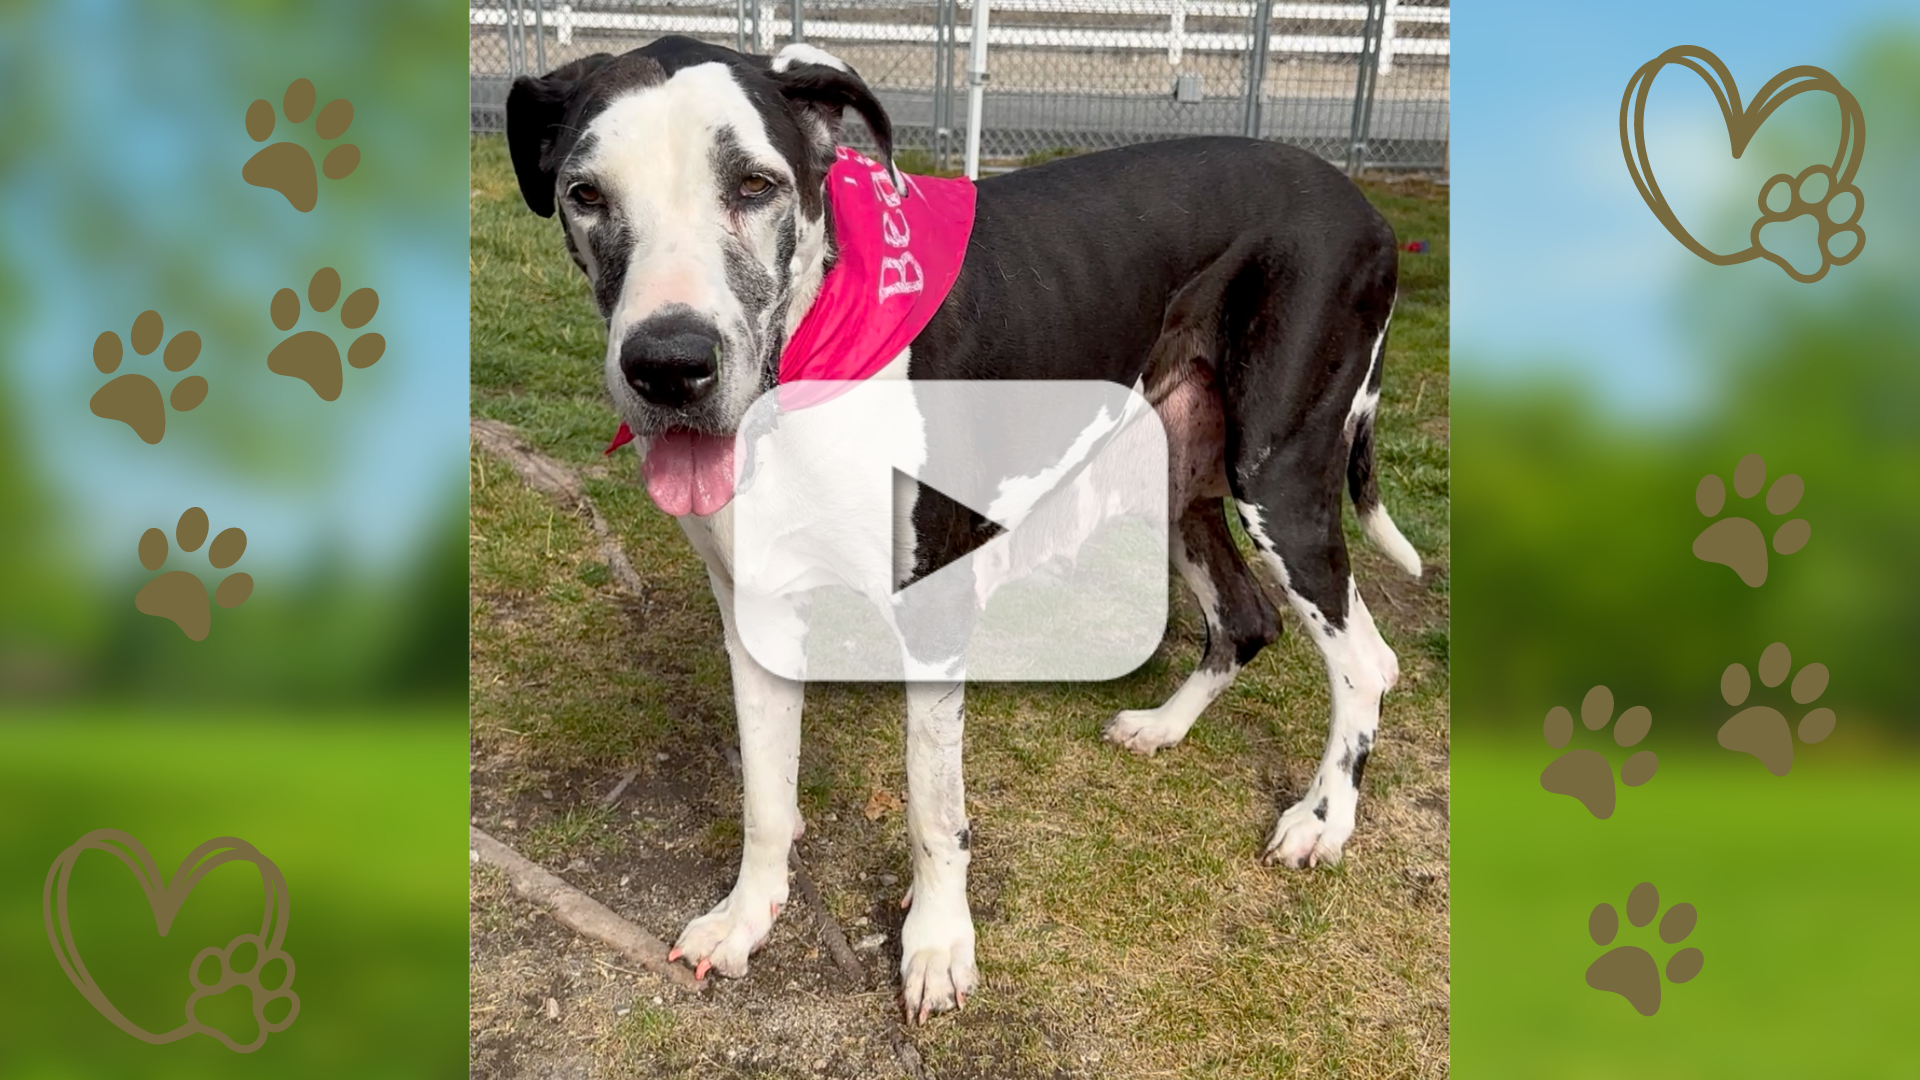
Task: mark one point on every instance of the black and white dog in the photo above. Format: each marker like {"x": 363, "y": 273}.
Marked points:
{"x": 1244, "y": 287}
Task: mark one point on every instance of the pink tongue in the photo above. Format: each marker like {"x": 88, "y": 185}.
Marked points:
{"x": 690, "y": 472}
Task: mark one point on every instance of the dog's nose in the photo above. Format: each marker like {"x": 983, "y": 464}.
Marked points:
{"x": 671, "y": 361}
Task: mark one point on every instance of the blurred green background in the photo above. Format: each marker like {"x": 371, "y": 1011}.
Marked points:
{"x": 1601, "y": 372}
{"x": 325, "y": 719}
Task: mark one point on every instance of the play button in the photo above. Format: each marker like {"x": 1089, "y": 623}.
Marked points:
{"x": 995, "y": 530}
{"x": 913, "y": 561}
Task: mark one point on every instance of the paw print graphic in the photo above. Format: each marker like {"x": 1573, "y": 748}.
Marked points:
{"x": 312, "y": 356}
{"x": 1736, "y": 541}
{"x": 134, "y": 399}
{"x": 256, "y": 966}
{"x": 1762, "y": 730}
{"x": 287, "y": 167}
{"x": 1631, "y": 971}
{"x": 1833, "y": 204}
{"x": 180, "y": 596}
{"x": 1586, "y": 774}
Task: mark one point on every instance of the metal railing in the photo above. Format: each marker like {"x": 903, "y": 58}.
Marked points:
{"x": 1362, "y": 84}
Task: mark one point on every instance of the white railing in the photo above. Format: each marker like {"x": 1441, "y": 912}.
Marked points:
{"x": 1174, "y": 41}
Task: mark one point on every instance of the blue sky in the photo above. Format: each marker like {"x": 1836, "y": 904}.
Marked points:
{"x": 1558, "y": 264}
{"x": 136, "y": 201}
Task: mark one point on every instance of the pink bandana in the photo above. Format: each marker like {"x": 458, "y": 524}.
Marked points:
{"x": 899, "y": 253}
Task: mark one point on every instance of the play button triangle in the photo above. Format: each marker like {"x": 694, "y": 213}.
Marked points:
{"x": 964, "y": 530}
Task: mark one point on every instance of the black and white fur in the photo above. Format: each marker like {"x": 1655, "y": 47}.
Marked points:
{"x": 1244, "y": 287}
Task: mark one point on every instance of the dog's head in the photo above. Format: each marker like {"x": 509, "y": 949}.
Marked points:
{"x": 690, "y": 183}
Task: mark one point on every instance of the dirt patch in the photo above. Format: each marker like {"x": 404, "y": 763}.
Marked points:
{"x": 656, "y": 859}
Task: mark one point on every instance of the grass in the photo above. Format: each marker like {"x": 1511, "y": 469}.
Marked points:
{"x": 1125, "y": 927}
{"x": 360, "y": 810}
{"x": 1805, "y": 916}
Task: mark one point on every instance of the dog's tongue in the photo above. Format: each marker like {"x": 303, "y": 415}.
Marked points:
{"x": 690, "y": 472}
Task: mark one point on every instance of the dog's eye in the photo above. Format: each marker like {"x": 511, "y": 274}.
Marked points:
{"x": 585, "y": 195}
{"x": 755, "y": 186}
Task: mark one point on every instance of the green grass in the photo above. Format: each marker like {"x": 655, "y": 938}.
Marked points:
{"x": 1125, "y": 928}
{"x": 363, "y": 814}
{"x": 1785, "y": 871}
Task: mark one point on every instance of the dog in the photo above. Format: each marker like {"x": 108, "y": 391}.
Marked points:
{"x": 1244, "y": 287}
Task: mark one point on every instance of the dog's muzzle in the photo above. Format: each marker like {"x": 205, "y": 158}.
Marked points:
{"x": 672, "y": 361}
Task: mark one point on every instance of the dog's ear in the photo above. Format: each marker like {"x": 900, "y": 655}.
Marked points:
{"x": 821, "y": 84}
{"x": 535, "y": 107}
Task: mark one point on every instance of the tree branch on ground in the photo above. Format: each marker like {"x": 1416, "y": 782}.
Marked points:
{"x": 580, "y": 912}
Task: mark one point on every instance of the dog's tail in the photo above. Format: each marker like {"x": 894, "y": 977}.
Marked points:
{"x": 1365, "y": 492}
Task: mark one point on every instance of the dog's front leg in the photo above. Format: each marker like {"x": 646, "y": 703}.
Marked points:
{"x": 768, "y": 709}
{"x": 936, "y": 944}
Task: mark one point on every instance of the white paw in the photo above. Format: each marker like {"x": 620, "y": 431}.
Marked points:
{"x": 936, "y": 961}
{"x": 1303, "y": 839}
{"x": 1144, "y": 731}
{"x": 723, "y": 938}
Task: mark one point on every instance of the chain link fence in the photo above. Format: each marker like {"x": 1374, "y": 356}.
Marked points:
{"x": 1362, "y": 84}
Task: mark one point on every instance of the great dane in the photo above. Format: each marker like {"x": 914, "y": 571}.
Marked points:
{"x": 1244, "y": 287}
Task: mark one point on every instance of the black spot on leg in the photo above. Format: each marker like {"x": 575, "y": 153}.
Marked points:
{"x": 964, "y": 838}
{"x": 1360, "y": 758}
{"x": 1321, "y": 810}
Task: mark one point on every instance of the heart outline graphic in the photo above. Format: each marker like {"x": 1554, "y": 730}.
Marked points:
{"x": 1742, "y": 124}
{"x": 164, "y": 899}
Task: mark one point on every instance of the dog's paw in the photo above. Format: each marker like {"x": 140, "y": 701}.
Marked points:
{"x": 722, "y": 939}
{"x": 1144, "y": 731}
{"x": 936, "y": 961}
{"x": 1307, "y": 835}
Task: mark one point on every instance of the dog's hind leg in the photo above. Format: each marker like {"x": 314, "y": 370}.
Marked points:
{"x": 1320, "y": 358}
{"x": 1310, "y": 562}
{"x": 1361, "y": 668}
{"x": 768, "y": 710}
{"x": 1240, "y": 622}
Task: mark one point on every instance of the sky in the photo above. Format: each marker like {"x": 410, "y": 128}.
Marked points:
{"x": 1550, "y": 237}
{"x": 132, "y": 199}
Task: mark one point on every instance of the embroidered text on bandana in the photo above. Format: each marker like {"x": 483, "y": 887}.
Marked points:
{"x": 899, "y": 254}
